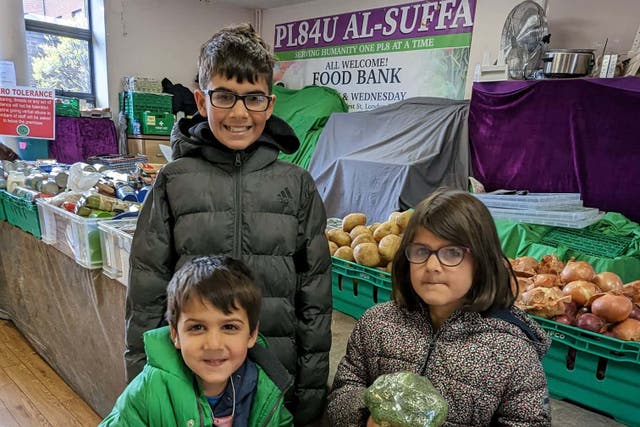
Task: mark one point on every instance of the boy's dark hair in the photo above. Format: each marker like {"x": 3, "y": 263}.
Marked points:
{"x": 462, "y": 219}
{"x": 223, "y": 282}
{"x": 236, "y": 52}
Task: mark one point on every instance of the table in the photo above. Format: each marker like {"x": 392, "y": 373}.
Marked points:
{"x": 72, "y": 316}
{"x": 78, "y": 138}
{"x": 560, "y": 135}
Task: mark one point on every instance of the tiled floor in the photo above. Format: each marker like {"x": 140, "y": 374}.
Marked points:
{"x": 563, "y": 414}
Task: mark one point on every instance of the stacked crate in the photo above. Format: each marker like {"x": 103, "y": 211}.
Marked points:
{"x": 147, "y": 113}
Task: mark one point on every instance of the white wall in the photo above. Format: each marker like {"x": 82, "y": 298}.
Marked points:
{"x": 161, "y": 38}
{"x": 573, "y": 24}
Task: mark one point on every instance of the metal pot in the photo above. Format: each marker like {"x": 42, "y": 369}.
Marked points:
{"x": 568, "y": 62}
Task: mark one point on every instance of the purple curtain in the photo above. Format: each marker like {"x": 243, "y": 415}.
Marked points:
{"x": 560, "y": 135}
{"x": 80, "y": 137}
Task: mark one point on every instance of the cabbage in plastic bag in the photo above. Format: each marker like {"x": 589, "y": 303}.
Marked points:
{"x": 405, "y": 399}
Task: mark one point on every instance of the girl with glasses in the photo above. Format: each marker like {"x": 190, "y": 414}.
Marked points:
{"x": 452, "y": 320}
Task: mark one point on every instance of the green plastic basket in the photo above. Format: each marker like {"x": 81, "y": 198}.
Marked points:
{"x": 593, "y": 370}
{"x": 3, "y": 214}
{"x": 22, "y": 214}
{"x": 66, "y": 106}
{"x": 356, "y": 288}
{"x": 587, "y": 242}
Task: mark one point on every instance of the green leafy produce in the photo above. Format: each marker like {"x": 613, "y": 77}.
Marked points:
{"x": 405, "y": 399}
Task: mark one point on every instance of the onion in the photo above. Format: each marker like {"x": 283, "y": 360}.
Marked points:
{"x": 545, "y": 280}
{"x": 612, "y": 308}
{"x": 524, "y": 266}
{"x": 629, "y": 330}
{"x": 590, "y": 322}
{"x": 564, "y": 319}
{"x": 635, "y": 313}
{"x": 580, "y": 291}
{"x": 577, "y": 270}
{"x": 608, "y": 282}
{"x": 571, "y": 309}
{"x": 632, "y": 290}
{"x": 550, "y": 264}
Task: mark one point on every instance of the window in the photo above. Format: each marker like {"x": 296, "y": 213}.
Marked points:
{"x": 59, "y": 46}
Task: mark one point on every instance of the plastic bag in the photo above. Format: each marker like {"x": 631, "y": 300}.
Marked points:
{"x": 405, "y": 399}
{"x": 79, "y": 180}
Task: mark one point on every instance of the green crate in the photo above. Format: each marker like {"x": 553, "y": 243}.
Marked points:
{"x": 69, "y": 107}
{"x": 3, "y": 214}
{"x": 136, "y": 103}
{"x": 593, "y": 370}
{"x": 356, "y": 288}
{"x": 587, "y": 242}
{"x": 22, "y": 214}
{"x": 156, "y": 123}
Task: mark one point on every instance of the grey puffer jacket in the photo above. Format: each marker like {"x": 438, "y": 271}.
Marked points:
{"x": 486, "y": 368}
{"x": 211, "y": 200}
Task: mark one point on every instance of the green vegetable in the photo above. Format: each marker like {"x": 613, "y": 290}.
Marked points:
{"x": 405, "y": 399}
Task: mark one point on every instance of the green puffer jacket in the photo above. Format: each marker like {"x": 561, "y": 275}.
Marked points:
{"x": 247, "y": 204}
{"x": 166, "y": 394}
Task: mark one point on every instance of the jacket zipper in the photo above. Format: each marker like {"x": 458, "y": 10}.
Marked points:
{"x": 275, "y": 405}
{"x": 237, "y": 172}
{"x": 432, "y": 346}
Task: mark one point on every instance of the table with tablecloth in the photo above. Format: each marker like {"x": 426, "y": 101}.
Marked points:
{"x": 78, "y": 138}
{"x": 72, "y": 316}
{"x": 560, "y": 135}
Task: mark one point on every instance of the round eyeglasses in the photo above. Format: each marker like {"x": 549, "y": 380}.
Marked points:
{"x": 257, "y": 102}
{"x": 449, "y": 256}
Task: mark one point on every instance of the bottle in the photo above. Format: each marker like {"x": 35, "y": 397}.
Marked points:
{"x": 125, "y": 192}
{"x": 15, "y": 179}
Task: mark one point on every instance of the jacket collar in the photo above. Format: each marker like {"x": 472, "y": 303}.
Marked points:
{"x": 193, "y": 138}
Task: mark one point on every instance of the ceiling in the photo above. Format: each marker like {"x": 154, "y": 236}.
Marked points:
{"x": 260, "y": 4}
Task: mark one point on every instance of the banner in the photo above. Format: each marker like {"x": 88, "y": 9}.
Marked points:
{"x": 380, "y": 56}
{"x": 27, "y": 112}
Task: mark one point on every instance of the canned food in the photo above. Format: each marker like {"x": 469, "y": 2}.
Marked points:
{"x": 49, "y": 187}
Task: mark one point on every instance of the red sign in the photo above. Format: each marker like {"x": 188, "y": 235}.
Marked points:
{"x": 27, "y": 112}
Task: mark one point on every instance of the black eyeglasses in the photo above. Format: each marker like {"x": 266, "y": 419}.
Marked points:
{"x": 450, "y": 256}
{"x": 224, "y": 99}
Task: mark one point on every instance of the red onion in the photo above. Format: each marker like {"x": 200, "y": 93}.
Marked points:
{"x": 635, "y": 313}
{"x": 564, "y": 319}
{"x": 571, "y": 309}
{"x": 590, "y": 322}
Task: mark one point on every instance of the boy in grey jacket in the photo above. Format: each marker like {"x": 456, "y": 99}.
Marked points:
{"x": 226, "y": 193}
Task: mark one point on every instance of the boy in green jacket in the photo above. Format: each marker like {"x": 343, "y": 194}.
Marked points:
{"x": 204, "y": 369}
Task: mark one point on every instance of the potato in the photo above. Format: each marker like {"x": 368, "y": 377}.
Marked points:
{"x": 373, "y": 227}
{"x": 353, "y": 219}
{"x": 393, "y": 217}
{"x": 339, "y": 237}
{"x": 403, "y": 219}
{"x": 333, "y": 247}
{"x": 390, "y": 266}
{"x": 388, "y": 246}
{"x": 367, "y": 254}
{"x": 385, "y": 229}
{"x": 359, "y": 229}
{"x": 344, "y": 252}
{"x": 362, "y": 238}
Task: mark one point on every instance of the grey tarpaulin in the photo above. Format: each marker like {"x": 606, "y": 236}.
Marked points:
{"x": 391, "y": 158}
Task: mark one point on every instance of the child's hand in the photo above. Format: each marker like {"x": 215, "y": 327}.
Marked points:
{"x": 371, "y": 423}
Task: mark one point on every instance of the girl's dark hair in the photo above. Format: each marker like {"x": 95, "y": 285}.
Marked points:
{"x": 236, "y": 52}
{"x": 462, "y": 219}
{"x": 224, "y": 282}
